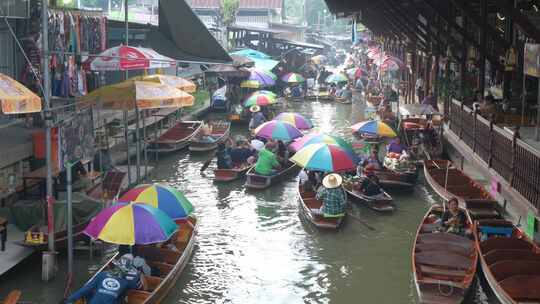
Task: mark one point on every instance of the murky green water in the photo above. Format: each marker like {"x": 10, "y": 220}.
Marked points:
{"x": 254, "y": 248}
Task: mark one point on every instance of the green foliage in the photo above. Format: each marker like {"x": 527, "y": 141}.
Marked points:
{"x": 314, "y": 9}
{"x": 295, "y": 9}
{"x": 229, "y": 10}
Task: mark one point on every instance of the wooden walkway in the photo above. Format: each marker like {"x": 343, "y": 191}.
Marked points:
{"x": 14, "y": 253}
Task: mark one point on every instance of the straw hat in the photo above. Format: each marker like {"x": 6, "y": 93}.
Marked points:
{"x": 332, "y": 181}
{"x": 254, "y": 108}
{"x": 257, "y": 144}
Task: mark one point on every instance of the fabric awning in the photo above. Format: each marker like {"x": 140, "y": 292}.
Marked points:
{"x": 190, "y": 39}
{"x": 16, "y": 98}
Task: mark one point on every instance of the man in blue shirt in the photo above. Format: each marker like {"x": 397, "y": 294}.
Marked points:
{"x": 257, "y": 118}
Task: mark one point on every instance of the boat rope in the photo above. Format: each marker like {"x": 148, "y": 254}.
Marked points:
{"x": 446, "y": 294}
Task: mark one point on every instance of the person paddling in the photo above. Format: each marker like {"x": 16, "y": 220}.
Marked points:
{"x": 333, "y": 197}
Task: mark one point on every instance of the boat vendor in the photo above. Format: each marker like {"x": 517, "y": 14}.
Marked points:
{"x": 267, "y": 162}
{"x": 346, "y": 93}
{"x": 396, "y": 147}
{"x": 332, "y": 195}
{"x": 257, "y": 118}
{"x": 371, "y": 187}
{"x": 453, "y": 219}
{"x": 206, "y": 133}
{"x": 108, "y": 287}
{"x": 241, "y": 153}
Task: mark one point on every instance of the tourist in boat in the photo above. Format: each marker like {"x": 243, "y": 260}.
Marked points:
{"x": 206, "y": 133}
{"x": 346, "y": 93}
{"x": 332, "y": 195}
{"x": 267, "y": 161}
{"x": 109, "y": 287}
{"x": 296, "y": 91}
{"x": 223, "y": 154}
{"x": 453, "y": 219}
{"x": 396, "y": 147}
{"x": 257, "y": 117}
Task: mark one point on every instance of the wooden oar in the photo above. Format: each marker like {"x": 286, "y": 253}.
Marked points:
{"x": 357, "y": 218}
{"x": 207, "y": 162}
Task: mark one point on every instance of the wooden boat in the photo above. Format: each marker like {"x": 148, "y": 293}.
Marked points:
{"x": 308, "y": 202}
{"x": 176, "y": 138}
{"x": 227, "y": 175}
{"x": 378, "y": 204}
{"x": 510, "y": 261}
{"x": 454, "y": 183}
{"x": 257, "y": 181}
{"x": 220, "y": 133}
{"x": 420, "y": 131}
{"x": 343, "y": 100}
{"x": 170, "y": 263}
{"x": 444, "y": 264}
{"x": 391, "y": 179}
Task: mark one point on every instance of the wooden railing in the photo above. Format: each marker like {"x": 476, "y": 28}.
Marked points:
{"x": 513, "y": 159}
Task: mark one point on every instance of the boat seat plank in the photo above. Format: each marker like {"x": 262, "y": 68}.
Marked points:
{"x": 522, "y": 288}
{"x": 430, "y": 247}
{"x": 431, "y": 293}
{"x": 505, "y": 269}
{"x": 447, "y": 238}
{"x": 163, "y": 268}
{"x": 483, "y": 213}
{"x": 429, "y": 228}
{"x": 504, "y": 243}
{"x": 152, "y": 282}
{"x": 443, "y": 259}
{"x": 159, "y": 254}
{"x": 428, "y": 270}
{"x": 137, "y": 296}
{"x": 510, "y": 254}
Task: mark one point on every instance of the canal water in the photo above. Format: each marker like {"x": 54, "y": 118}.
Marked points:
{"x": 254, "y": 248}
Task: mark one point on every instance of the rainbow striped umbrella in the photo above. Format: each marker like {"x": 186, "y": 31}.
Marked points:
{"x": 163, "y": 197}
{"x": 130, "y": 224}
{"x": 278, "y": 130}
{"x": 263, "y": 92}
{"x": 317, "y": 138}
{"x": 374, "y": 127}
{"x": 259, "y": 78}
{"x": 326, "y": 158}
{"x": 297, "y": 120}
{"x": 293, "y": 78}
{"x": 260, "y": 100}
{"x": 336, "y": 78}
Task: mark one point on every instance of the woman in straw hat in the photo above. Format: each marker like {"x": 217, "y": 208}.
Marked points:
{"x": 332, "y": 196}
{"x": 257, "y": 118}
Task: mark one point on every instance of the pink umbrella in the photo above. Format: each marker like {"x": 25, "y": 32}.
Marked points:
{"x": 391, "y": 63}
{"x": 124, "y": 58}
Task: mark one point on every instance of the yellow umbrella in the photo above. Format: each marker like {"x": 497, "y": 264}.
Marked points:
{"x": 132, "y": 94}
{"x": 16, "y": 98}
{"x": 170, "y": 80}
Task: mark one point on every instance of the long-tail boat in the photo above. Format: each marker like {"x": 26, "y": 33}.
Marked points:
{"x": 392, "y": 179}
{"x": 220, "y": 131}
{"x": 257, "y": 181}
{"x": 444, "y": 264}
{"x": 169, "y": 262}
{"x": 510, "y": 261}
{"x": 377, "y": 203}
{"x": 176, "y": 138}
{"x": 449, "y": 182}
{"x": 308, "y": 205}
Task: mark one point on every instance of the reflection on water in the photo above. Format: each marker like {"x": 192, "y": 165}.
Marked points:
{"x": 254, "y": 248}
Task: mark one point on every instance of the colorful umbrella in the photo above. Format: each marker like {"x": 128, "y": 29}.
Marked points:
{"x": 265, "y": 92}
{"x": 250, "y": 53}
{"x": 278, "y": 130}
{"x": 130, "y": 94}
{"x": 259, "y": 78}
{"x": 391, "y": 63}
{"x": 124, "y": 58}
{"x": 317, "y": 138}
{"x": 130, "y": 224}
{"x": 163, "y": 197}
{"x": 336, "y": 78}
{"x": 293, "y": 78}
{"x": 16, "y": 98}
{"x": 326, "y": 158}
{"x": 374, "y": 127}
{"x": 297, "y": 120}
{"x": 170, "y": 80}
{"x": 251, "y": 84}
{"x": 356, "y": 72}
{"x": 260, "y": 100}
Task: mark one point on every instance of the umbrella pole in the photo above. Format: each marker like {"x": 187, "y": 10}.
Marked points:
{"x": 69, "y": 201}
{"x": 126, "y": 138}
{"x": 144, "y": 145}
{"x": 137, "y": 146}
